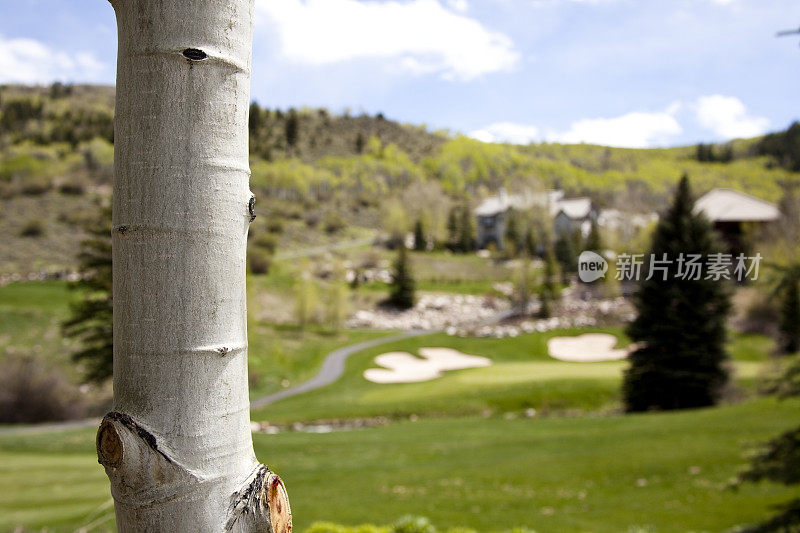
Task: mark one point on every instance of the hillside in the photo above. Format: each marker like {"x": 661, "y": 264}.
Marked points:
{"x": 325, "y": 177}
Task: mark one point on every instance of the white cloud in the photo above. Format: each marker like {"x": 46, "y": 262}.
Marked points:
{"x": 506, "y": 132}
{"x": 727, "y": 117}
{"x": 31, "y": 61}
{"x": 419, "y": 36}
{"x": 458, "y": 5}
{"x": 632, "y": 130}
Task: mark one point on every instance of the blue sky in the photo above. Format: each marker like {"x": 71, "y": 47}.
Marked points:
{"x": 617, "y": 72}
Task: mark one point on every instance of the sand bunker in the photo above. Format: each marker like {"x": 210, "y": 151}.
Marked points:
{"x": 586, "y": 348}
{"x": 402, "y": 367}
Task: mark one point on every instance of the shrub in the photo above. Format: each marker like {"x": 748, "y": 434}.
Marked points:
{"x": 334, "y": 222}
{"x": 31, "y": 392}
{"x": 259, "y": 260}
{"x": 35, "y": 185}
{"x": 413, "y": 524}
{"x": 275, "y": 225}
{"x": 32, "y": 228}
{"x": 74, "y": 185}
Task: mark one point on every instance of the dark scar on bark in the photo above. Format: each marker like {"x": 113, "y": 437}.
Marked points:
{"x": 141, "y": 432}
{"x": 194, "y": 54}
{"x": 251, "y": 207}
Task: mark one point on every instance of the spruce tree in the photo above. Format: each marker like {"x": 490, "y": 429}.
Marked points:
{"x": 593, "y": 241}
{"x": 91, "y": 319}
{"x": 402, "y": 289}
{"x": 778, "y": 460}
{"x": 680, "y": 327}
{"x": 467, "y": 237}
{"x": 790, "y": 311}
{"x": 420, "y": 242}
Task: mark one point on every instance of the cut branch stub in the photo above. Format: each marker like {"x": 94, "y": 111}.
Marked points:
{"x": 109, "y": 445}
{"x": 277, "y": 501}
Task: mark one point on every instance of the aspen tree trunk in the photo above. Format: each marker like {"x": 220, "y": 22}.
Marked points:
{"x": 177, "y": 446}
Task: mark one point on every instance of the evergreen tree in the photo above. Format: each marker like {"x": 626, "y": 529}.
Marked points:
{"x": 593, "y": 240}
{"x": 467, "y": 226}
{"x": 402, "y": 288}
{"x": 513, "y": 232}
{"x": 549, "y": 289}
{"x": 680, "y": 325}
{"x": 453, "y": 225}
{"x": 420, "y": 242}
{"x": 778, "y": 460}
{"x": 292, "y": 129}
{"x": 790, "y": 311}
{"x": 91, "y": 319}
{"x": 566, "y": 256}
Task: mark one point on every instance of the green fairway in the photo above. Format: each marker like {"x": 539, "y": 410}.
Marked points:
{"x": 522, "y": 376}
{"x": 664, "y": 472}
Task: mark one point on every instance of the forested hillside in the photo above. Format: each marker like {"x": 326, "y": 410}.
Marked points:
{"x": 324, "y": 176}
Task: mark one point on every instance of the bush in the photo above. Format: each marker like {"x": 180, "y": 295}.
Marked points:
{"x": 74, "y": 186}
{"x": 413, "y": 524}
{"x": 259, "y": 260}
{"x": 334, "y": 222}
{"x": 31, "y": 392}
{"x": 32, "y": 228}
{"x": 35, "y": 185}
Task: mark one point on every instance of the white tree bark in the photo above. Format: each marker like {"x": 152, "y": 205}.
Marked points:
{"x": 177, "y": 446}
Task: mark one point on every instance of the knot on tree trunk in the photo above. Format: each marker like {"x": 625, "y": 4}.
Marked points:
{"x": 141, "y": 471}
{"x": 261, "y": 505}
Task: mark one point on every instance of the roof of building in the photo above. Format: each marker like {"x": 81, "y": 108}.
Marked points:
{"x": 728, "y": 205}
{"x": 574, "y": 208}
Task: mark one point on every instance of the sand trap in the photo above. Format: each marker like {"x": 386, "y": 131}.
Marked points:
{"x": 402, "y": 367}
{"x": 587, "y": 348}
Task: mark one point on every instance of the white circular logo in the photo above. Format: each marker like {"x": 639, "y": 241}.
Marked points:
{"x": 591, "y": 266}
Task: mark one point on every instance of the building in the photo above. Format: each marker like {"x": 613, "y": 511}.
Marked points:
{"x": 569, "y": 214}
{"x": 734, "y": 213}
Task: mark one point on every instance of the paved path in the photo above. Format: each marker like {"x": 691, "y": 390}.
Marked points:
{"x": 333, "y": 367}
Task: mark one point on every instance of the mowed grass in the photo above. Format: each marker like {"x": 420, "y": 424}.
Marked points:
{"x": 522, "y": 376}
{"x": 663, "y": 472}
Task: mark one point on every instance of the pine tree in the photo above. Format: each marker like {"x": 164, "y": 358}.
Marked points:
{"x": 593, "y": 241}
{"x": 91, "y": 319}
{"x": 778, "y": 460}
{"x": 467, "y": 226}
{"x": 790, "y": 311}
{"x": 549, "y": 288}
{"x": 292, "y": 129}
{"x": 513, "y": 232}
{"x": 402, "y": 288}
{"x": 680, "y": 325}
{"x": 420, "y": 242}
{"x": 453, "y": 228}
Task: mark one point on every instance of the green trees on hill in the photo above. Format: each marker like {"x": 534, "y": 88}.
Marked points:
{"x": 783, "y": 146}
{"x": 680, "y": 327}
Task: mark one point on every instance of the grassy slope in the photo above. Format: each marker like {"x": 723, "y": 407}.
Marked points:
{"x": 30, "y": 320}
{"x": 662, "y": 471}
{"x": 30, "y": 323}
{"x": 523, "y": 376}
